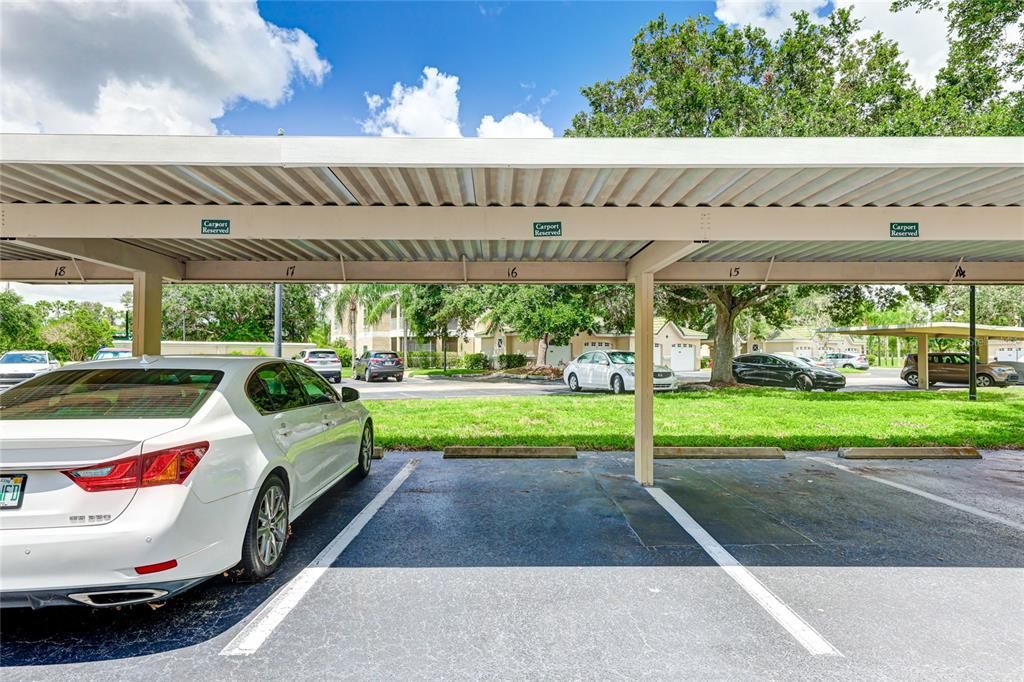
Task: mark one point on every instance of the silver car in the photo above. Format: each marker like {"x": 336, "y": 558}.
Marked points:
{"x": 17, "y": 366}
{"x": 614, "y": 371}
{"x": 324, "y": 361}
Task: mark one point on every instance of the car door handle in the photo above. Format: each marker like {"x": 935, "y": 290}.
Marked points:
{"x": 330, "y": 423}
{"x": 283, "y": 430}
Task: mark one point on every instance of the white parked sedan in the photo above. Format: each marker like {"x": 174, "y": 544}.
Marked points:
{"x": 126, "y": 481}
{"x": 17, "y": 366}
{"x": 612, "y": 371}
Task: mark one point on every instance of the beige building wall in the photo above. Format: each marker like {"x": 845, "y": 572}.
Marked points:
{"x": 288, "y": 350}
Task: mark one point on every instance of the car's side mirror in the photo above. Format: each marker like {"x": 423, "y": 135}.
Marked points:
{"x": 348, "y": 394}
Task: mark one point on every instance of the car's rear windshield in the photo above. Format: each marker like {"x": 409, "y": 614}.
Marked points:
{"x": 28, "y": 358}
{"x": 323, "y": 355}
{"x": 386, "y": 356}
{"x": 109, "y": 354}
{"x": 622, "y": 358}
{"x": 111, "y": 394}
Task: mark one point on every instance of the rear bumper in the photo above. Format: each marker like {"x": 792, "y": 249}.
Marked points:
{"x": 386, "y": 371}
{"x": 43, "y": 566}
{"x": 99, "y": 596}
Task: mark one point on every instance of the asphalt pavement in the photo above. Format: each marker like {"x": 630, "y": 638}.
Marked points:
{"x": 810, "y": 567}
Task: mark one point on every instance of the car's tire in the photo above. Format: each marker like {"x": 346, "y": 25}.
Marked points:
{"x": 399, "y": 377}
{"x": 911, "y": 379}
{"x": 574, "y": 383}
{"x": 366, "y": 376}
{"x": 266, "y": 534}
{"x": 831, "y": 390}
{"x": 804, "y": 383}
{"x": 617, "y": 384}
{"x": 848, "y": 366}
{"x": 984, "y": 381}
{"x": 362, "y": 469}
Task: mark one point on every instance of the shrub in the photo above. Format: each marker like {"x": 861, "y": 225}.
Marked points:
{"x": 511, "y": 361}
{"x": 705, "y": 363}
{"x": 428, "y": 359}
{"x": 872, "y": 359}
{"x": 476, "y": 361}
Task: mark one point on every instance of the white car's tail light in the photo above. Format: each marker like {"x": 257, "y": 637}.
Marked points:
{"x": 162, "y": 467}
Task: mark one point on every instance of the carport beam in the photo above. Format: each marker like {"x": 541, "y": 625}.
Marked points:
{"x": 922, "y": 362}
{"x": 643, "y": 438}
{"x": 146, "y": 296}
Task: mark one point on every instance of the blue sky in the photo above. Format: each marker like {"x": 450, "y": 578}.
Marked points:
{"x": 495, "y": 49}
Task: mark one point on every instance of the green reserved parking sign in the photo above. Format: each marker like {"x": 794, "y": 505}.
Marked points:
{"x": 904, "y": 230}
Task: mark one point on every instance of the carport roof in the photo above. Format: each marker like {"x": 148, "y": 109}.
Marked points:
{"x": 361, "y": 171}
{"x": 947, "y": 330}
{"x": 349, "y": 209}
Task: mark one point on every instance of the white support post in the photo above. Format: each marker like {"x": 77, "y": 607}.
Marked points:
{"x": 643, "y": 440}
{"x": 146, "y": 327}
{"x": 922, "y": 361}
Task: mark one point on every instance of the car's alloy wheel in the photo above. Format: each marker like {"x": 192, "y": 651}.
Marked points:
{"x": 804, "y": 383}
{"x": 985, "y": 380}
{"x": 266, "y": 535}
{"x": 365, "y": 452}
{"x": 912, "y": 378}
{"x": 848, "y": 366}
{"x": 617, "y": 385}
{"x": 574, "y": 383}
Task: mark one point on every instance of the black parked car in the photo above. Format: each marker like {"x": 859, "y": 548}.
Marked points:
{"x": 378, "y": 364}
{"x": 765, "y": 369}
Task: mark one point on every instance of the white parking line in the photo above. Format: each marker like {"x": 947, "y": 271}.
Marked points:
{"x": 785, "y": 616}
{"x": 927, "y": 495}
{"x": 253, "y": 635}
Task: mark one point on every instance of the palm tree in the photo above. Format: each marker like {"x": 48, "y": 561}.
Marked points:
{"x": 376, "y": 300}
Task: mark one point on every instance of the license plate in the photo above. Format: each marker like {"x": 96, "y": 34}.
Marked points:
{"x": 389, "y": 364}
{"x": 11, "y": 489}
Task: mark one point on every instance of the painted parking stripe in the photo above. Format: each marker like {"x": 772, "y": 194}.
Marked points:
{"x": 927, "y": 495}
{"x": 253, "y": 635}
{"x": 806, "y": 635}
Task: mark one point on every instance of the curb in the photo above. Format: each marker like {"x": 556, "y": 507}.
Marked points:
{"x": 512, "y": 452}
{"x": 909, "y": 453}
{"x": 718, "y": 453}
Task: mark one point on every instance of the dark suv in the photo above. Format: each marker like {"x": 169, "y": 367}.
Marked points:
{"x": 378, "y": 364}
{"x": 955, "y": 368}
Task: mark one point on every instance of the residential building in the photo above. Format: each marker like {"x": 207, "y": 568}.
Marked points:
{"x": 804, "y": 341}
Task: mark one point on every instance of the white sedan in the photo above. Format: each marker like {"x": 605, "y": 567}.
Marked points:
{"x": 17, "y": 366}
{"x": 612, "y": 371}
{"x": 127, "y": 481}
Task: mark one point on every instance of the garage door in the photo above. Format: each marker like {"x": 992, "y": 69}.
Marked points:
{"x": 683, "y": 357}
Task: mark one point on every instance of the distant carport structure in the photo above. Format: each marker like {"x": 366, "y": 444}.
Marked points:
{"x": 935, "y": 330}
{"x": 155, "y": 209}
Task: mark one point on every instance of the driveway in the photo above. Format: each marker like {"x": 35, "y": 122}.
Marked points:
{"x": 809, "y": 567}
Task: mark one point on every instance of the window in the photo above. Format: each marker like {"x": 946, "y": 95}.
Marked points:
{"x": 111, "y": 394}
{"x": 622, "y": 358}
{"x": 323, "y": 355}
{"x": 27, "y": 358}
{"x": 272, "y": 388}
{"x": 316, "y": 389}
{"x": 749, "y": 359}
{"x": 388, "y": 355}
{"x": 773, "y": 361}
{"x": 585, "y": 359}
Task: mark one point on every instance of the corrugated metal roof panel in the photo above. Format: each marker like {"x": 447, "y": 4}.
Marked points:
{"x": 1006, "y": 251}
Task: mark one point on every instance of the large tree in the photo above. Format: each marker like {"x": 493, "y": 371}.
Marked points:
{"x": 238, "y": 312}
{"x": 19, "y": 323}
{"x": 699, "y": 79}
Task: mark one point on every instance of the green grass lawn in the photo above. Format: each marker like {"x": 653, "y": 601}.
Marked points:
{"x": 442, "y": 373}
{"x": 851, "y": 370}
{"x": 763, "y": 416}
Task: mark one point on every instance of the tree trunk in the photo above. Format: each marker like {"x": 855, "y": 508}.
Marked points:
{"x": 725, "y": 329}
{"x": 405, "y": 343}
{"x": 352, "y": 329}
{"x": 542, "y": 350}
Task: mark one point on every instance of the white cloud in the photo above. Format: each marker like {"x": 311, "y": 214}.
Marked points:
{"x": 771, "y": 15}
{"x": 921, "y": 35}
{"x": 516, "y": 124}
{"x": 144, "y": 67}
{"x": 430, "y": 109}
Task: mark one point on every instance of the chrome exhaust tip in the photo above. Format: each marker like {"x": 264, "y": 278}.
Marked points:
{"x": 118, "y": 597}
